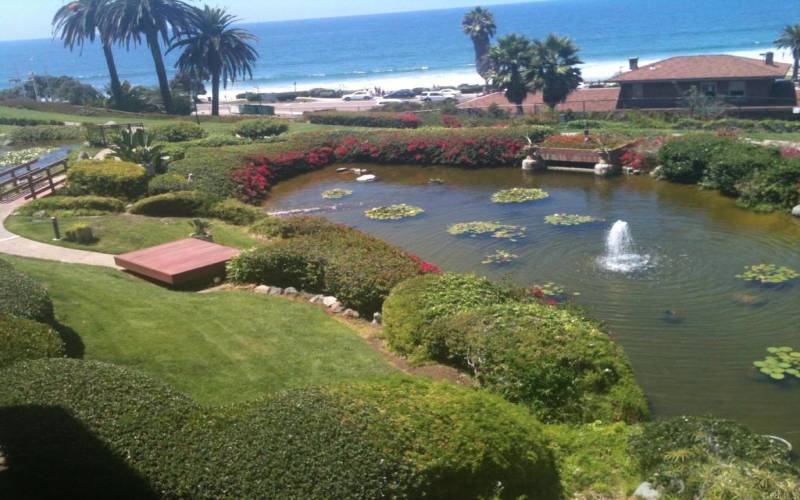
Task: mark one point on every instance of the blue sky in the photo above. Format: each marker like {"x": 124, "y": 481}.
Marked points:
{"x": 25, "y": 19}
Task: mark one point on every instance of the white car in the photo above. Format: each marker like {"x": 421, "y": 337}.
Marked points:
{"x": 384, "y": 102}
{"x": 453, "y": 93}
{"x": 433, "y": 97}
{"x": 361, "y": 95}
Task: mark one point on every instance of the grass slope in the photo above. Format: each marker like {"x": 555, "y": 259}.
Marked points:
{"x": 118, "y": 234}
{"x": 219, "y": 348}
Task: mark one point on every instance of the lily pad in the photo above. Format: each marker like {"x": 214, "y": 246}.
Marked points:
{"x": 500, "y": 257}
{"x": 393, "y": 212}
{"x": 519, "y": 195}
{"x": 768, "y": 274}
{"x": 14, "y": 158}
{"x": 782, "y": 362}
{"x": 569, "y": 219}
{"x": 334, "y": 194}
{"x": 493, "y": 229}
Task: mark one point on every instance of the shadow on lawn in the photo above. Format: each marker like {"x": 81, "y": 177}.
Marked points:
{"x": 49, "y": 454}
{"x": 73, "y": 344}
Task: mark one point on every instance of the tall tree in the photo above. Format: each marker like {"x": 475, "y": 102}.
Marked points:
{"x": 80, "y": 21}
{"x": 790, "y": 39}
{"x": 127, "y": 21}
{"x": 479, "y": 25}
{"x": 511, "y": 59}
{"x": 211, "y": 46}
{"x": 554, "y": 70}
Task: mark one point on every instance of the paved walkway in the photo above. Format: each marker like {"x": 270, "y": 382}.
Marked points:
{"x": 12, "y": 244}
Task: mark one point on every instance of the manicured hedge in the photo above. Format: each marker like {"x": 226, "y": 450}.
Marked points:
{"x": 177, "y": 204}
{"x": 550, "y": 359}
{"x": 168, "y": 183}
{"x": 78, "y": 429}
{"x": 368, "y": 119}
{"x": 178, "y": 132}
{"x": 702, "y": 457}
{"x": 686, "y": 159}
{"x": 117, "y": 179}
{"x": 326, "y": 258}
{"x": 22, "y": 296}
{"x": 413, "y": 306}
{"x": 212, "y": 168}
{"x": 73, "y": 205}
{"x": 45, "y": 133}
{"x": 736, "y": 163}
{"x": 235, "y": 212}
{"x": 259, "y": 129}
{"x": 27, "y": 122}
{"x": 23, "y": 339}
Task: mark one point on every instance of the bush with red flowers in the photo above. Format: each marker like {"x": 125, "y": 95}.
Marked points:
{"x": 450, "y": 121}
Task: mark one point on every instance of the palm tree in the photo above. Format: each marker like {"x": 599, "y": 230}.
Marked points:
{"x": 128, "y": 20}
{"x": 212, "y": 47}
{"x": 479, "y": 25}
{"x": 790, "y": 39}
{"x": 554, "y": 70}
{"x": 78, "y": 22}
{"x": 511, "y": 59}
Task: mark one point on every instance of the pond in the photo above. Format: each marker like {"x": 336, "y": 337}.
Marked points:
{"x": 691, "y": 328}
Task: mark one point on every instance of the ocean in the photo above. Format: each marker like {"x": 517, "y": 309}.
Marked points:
{"x": 428, "y": 48}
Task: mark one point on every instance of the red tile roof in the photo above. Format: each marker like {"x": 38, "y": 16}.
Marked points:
{"x": 704, "y": 68}
{"x": 589, "y": 99}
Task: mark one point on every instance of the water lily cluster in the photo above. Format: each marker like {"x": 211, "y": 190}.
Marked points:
{"x": 14, "y": 158}
{"x": 335, "y": 194}
{"x": 393, "y": 212}
{"x": 781, "y": 362}
{"x": 769, "y": 274}
{"x": 519, "y": 195}
{"x": 482, "y": 228}
{"x": 500, "y": 257}
{"x": 569, "y": 219}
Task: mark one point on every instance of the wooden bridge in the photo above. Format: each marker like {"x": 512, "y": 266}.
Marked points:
{"x": 30, "y": 181}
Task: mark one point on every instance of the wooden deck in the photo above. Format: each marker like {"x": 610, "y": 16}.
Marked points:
{"x": 179, "y": 262}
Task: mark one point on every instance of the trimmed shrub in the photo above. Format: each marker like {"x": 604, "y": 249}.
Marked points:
{"x": 80, "y": 233}
{"x": 27, "y": 122}
{"x": 369, "y": 119}
{"x": 117, "y": 179}
{"x": 22, "y": 296}
{"x": 88, "y": 429}
{"x": 177, "y": 204}
{"x": 23, "y": 339}
{"x": 691, "y": 457}
{"x": 777, "y": 188}
{"x": 736, "y": 163}
{"x": 178, "y": 132}
{"x": 235, "y": 212}
{"x": 168, "y": 183}
{"x": 258, "y": 129}
{"x": 45, "y": 133}
{"x": 550, "y": 359}
{"x": 290, "y": 227}
{"x": 413, "y": 307}
{"x": 212, "y": 168}
{"x": 73, "y": 205}
{"x": 326, "y": 258}
{"x": 686, "y": 159}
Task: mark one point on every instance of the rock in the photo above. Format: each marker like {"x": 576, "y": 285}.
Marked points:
{"x": 349, "y": 313}
{"x": 377, "y": 319}
{"x": 796, "y": 211}
{"x": 274, "y": 290}
{"x": 533, "y": 164}
{"x": 604, "y": 170}
{"x": 656, "y": 172}
{"x": 329, "y": 301}
{"x": 342, "y": 170}
{"x": 83, "y": 155}
{"x": 366, "y": 178}
{"x": 316, "y": 299}
{"x": 262, "y": 289}
{"x": 337, "y": 308}
{"x": 647, "y": 492}
{"x": 306, "y": 295}
{"x": 290, "y": 291}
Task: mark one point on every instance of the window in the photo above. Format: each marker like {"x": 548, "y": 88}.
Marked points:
{"x": 736, "y": 89}
{"x": 638, "y": 91}
{"x": 709, "y": 89}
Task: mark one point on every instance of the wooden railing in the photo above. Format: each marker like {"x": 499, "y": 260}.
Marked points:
{"x": 29, "y": 181}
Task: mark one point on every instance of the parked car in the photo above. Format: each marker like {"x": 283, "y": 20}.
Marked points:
{"x": 455, "y": 94}
{"x": 433, "y": 97}
{"x": 401, "y": 94}
{"x": 361, "y": 95}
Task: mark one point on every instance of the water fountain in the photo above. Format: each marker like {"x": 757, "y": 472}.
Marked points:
{"x": 620, "y": 256}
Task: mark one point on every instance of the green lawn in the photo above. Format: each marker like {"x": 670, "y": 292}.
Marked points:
{"x": 122, "y": 233}
{"x": 219, "y": 348}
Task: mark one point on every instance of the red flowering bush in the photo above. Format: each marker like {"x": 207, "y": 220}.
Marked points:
{"x": 643, "y": 154}
{"x": 790, "y": 152}
{"x": 450, "y": 121}
{"x": 424, "y": 266}
{"x": 253, "y": 180}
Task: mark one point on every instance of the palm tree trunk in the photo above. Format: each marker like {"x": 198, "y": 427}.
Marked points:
{"x": 116, "y": 87}
{"x": 215, "y": 94}
{"x": 161, "y": 72}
